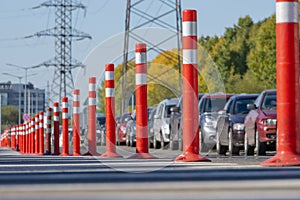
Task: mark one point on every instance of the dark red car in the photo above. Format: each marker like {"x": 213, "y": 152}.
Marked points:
{"x": 261, "y": 124}
{"x": 121, "y": 128}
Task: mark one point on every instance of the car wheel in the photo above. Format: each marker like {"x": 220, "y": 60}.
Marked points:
{"x": 163, "y": 144}
{"x": 249, "y": 150}
{"x": 174, "y": 145}
{"x": 132, "y": 143}
{"x": 156, "y": 144}
{"x": 127, "y": 141}
{"x": 150, "y": 144}
{"x": 221, "y": 149}
{"x": 233, "y": 150}
{"x": 260, "y": 146}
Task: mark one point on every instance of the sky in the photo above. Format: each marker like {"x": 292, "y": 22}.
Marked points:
{"x": 102, "y": 19}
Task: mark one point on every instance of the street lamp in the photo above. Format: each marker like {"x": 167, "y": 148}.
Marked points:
{"x": 25, "y": 94}
{"x": 19, "y": 77}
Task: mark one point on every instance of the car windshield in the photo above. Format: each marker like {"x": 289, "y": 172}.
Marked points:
{"x": 269, "y": 102}
{"x": 241, "y": 106}
{"x": 101, "y": 120}
{"x": 168, "y": 110}
{"x": 215, "y": 104}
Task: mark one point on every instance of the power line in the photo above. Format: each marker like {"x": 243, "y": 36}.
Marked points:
{"x": 64, "y": 34}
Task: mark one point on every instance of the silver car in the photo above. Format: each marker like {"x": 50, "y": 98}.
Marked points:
{"x": 161, "y": 124}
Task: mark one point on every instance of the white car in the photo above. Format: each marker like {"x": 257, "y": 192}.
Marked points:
{"x": 161, "y": 124}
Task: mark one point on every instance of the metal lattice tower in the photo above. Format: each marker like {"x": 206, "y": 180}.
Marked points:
{"x": 64, "y": 34}
{"x": 140, "y": 9}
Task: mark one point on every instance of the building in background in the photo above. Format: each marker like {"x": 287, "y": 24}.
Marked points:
{"x": 35, "y": 97}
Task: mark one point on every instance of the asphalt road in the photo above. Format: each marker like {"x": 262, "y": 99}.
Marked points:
{"x": 55, "y": 177}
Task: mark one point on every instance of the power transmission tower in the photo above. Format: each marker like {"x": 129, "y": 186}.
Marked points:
{"x": 64, "y": 34}
{"x": 161, "y": 10}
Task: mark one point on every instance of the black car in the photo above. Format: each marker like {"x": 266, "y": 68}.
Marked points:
{"x": 230, "y": 124}
{"x": 176, "y": 125}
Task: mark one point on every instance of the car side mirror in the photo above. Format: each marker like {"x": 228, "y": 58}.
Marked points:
{"x": 156, "y": 116}
{"x": 251, "y": 106}
{"x": 175, "y": 109}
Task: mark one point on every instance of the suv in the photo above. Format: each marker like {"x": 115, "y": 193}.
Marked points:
{"x": 209, "y": 106}
{"x": 261, "y": 124}
{"x": 176, "y": 125}
{"x": 161, "y": 124}
{"x": 230, "y": 124}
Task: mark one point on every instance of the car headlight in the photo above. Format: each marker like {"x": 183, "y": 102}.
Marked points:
{"x": 270, "y": 122}
{"x": 209, "y": 122}
{"x": 238, "y": 127}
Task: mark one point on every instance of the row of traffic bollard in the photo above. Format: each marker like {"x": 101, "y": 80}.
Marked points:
{"x": 32, "y": 131}
{"x": 29, "y": 137}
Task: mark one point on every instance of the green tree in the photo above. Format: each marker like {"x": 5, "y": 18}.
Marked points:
{"x": 262, "y": 56}
{"x": 10, "y": 116}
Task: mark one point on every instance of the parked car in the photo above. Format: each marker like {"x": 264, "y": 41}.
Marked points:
{"x": 161, "y": 125}
{"x": 209, "y": 106}
{"x": 101, "y": 129}
{"x": 261, "y": 124}
{"x": 176, "y": 125}
{"x": 230, "y": 123}
{"x": 131, "y": 128}
{"x": 121, "y": 128}
{"x": 150, "y": 126}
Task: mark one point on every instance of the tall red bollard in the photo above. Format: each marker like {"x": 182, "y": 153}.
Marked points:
{"x": 13, "y": 138}
{"x": 22, "y": 140}
{"x": 36, "y": 134}
{"x": 190, "y": 116}
{"x": 26, "y": 137}
{"x": 110, "y": 113}
{"x": 17, "y": 137}
{"x": 76, "y": 123}
{"x": 65, "y": 127}
{"x": 287, "y": 70}
{"x": 92, "y": 151}
{"x": 32, "y": 133}
{"x": 141, "y": 103}
{"x": 48, "y": 131}
{"x": 56, "y": 128}
{"x": 41, "y": 134}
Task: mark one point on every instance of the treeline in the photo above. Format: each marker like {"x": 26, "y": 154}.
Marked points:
{"x": 242, "y": 60}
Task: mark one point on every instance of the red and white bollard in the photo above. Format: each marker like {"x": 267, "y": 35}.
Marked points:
{"x": 32, "y": 133}
{"x": 17, "y": 137}
{"x": 110, "y": 113}
{"x": 76, "y": 123}
{"x": 36, "y": 134}
{"x": 190, "y": 116}
{"x": 92, "y": 151}
{"x": 56, "y": 128}
{"x": 141, "y": 102}
{"x": 65, "y": 128}
{"x": 27, "y": 137}
{"x": 48, "y": 131}
{"x": 13, "y": 138}
{"x": 41, "y": 134}
{"x": 22, "y": 138}
{"x": 288, "y": 99}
